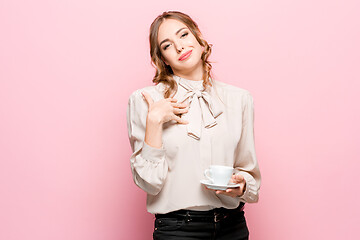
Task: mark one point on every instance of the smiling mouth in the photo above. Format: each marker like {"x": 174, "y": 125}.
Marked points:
{"x": 185, "y": 55}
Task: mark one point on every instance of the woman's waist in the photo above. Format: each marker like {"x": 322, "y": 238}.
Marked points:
{"x": 207, "y": 213}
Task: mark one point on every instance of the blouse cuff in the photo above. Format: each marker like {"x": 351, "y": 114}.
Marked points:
{"x": 250, "y": 194}
{"x": 151, "y": 153}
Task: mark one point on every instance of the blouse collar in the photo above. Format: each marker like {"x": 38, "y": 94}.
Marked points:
{"x": 202, "y": 106}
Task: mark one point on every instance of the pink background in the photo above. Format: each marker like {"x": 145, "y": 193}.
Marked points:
{"x": 67, "y": 69}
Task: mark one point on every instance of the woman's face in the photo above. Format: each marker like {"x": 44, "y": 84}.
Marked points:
{"x": 175, "y": 40}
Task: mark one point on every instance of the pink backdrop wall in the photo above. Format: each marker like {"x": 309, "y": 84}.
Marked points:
{"x": 68, "y": 67}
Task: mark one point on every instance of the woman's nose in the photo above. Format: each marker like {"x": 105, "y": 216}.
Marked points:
{"x": 179, "y": 48}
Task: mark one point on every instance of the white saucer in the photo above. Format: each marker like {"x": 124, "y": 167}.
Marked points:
{"x": 210, "y": 185}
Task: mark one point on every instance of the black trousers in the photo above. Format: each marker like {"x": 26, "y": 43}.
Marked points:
{"x": 220, "y": 224}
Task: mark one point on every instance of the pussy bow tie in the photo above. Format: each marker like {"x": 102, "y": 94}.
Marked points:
{"x": 201, "y": 107}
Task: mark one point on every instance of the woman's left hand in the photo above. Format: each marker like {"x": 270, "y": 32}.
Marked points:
{"x": 234, "y": 192}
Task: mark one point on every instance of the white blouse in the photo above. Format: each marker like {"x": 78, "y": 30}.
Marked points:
{"x": 220, "y": 132}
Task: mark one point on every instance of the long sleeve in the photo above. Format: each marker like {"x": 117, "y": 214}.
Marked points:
{"x": 245, "y": 157}
{"x": 148, "y": 164}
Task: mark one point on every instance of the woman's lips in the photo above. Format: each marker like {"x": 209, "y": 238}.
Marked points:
{"x": 185, "y": 55}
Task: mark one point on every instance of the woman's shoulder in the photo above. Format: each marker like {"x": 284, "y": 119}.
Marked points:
{"x": 155, "y": 91}
{"x": 137, "y": 105}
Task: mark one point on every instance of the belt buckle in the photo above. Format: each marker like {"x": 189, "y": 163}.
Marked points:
{"x": 217, "y": 217}
{"x": 187, "y": 217}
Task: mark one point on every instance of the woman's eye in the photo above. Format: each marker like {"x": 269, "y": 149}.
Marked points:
{"x": 183, "y": 35}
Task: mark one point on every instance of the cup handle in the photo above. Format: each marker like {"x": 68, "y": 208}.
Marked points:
{"x": 206, "y": 173}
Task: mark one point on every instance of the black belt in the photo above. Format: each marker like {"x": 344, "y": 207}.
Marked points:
{"x": 214, "y": 215}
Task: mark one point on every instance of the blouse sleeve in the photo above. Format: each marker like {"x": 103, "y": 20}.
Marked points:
{"x": 245, "y": 157}
{"x": 148, "y": 165}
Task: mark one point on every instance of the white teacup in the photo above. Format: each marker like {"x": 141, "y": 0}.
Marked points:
{"x": 219, "y": 175}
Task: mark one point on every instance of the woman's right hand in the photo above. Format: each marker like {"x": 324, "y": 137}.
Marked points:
{"x": 165, "y": 110}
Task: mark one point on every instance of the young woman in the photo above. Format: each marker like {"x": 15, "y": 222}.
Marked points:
{"x": 183, "y": 124}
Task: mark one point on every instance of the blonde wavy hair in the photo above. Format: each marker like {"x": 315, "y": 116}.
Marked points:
{"x": 164, "y": 72}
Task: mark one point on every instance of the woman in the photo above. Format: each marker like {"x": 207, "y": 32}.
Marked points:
{"x": 182, "y": 125}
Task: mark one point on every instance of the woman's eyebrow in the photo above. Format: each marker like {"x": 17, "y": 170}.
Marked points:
{"x": 175, "y": 34}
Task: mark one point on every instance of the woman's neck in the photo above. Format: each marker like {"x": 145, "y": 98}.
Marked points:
{"x": 195, "y": 75}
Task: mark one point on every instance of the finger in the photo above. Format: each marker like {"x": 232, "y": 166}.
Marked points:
{"x": 238, "y": 178}
{"x": 180, "y": 111}
{"x": 171, "y": 100}
{"x": 223, "y": 192}
{"x": 233, "y": 192}
{"x": 148, "y": 98}
{"x": 179, "y": 105}
{"x": 180, "y": 120}
{"x": 237, "y": 191}
{"x": 233, "y": 179}
{"x": 226, "y": 193}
